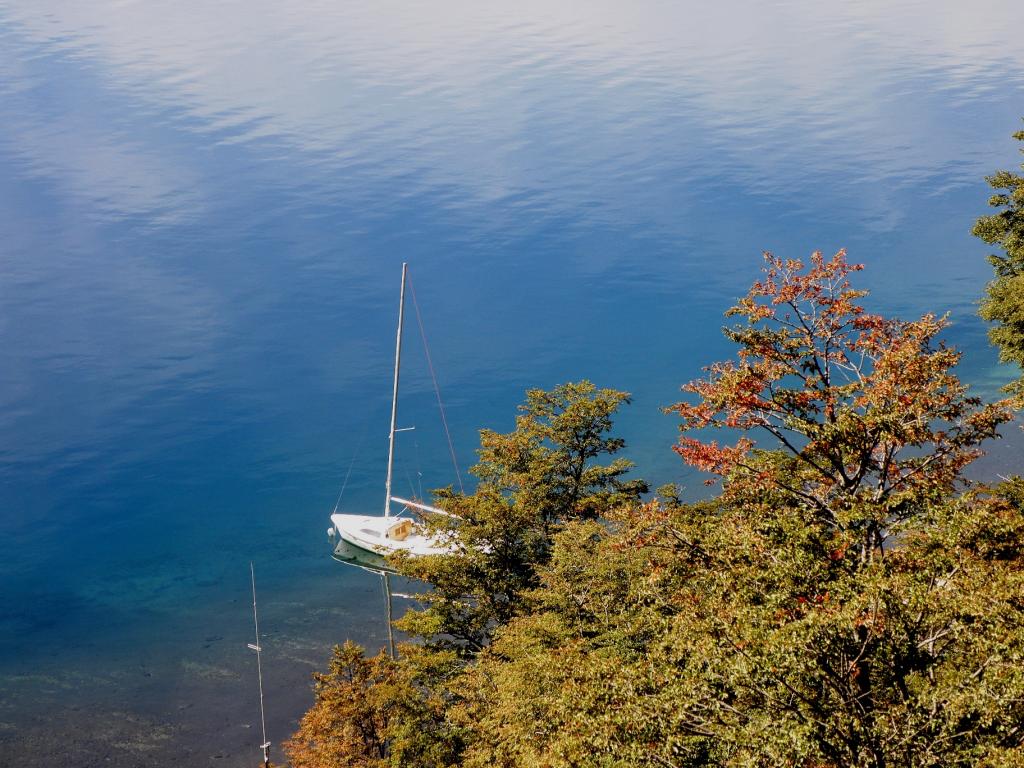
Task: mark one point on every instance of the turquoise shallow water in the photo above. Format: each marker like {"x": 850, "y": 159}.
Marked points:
{"x": 203, "y": 209}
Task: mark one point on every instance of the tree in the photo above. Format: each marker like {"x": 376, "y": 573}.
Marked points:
{"x": 346, "y": 725}
{"x": 1004, "y": 304}
{"x": 532, "y": 480}
{"x": 722, "y": 636}
{"x": 547, "y": 462}
{"x": 371, "y": 712}
{"x": 847, "y": 600}
{"x": 870, "y": 423}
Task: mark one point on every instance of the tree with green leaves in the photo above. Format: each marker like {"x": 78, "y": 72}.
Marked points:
{"x": 721, "y": 635}
{"x": 547, "y": 463}
{"x": 847, "y": 600}
{"x": 1004, "y": 304}
{"x": 533, "y": 480}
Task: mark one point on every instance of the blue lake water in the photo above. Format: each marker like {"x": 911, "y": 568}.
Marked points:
{"x": 203, "y": 211}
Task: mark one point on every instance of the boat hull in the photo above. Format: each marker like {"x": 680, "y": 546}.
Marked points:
{"x": 363, "y": 540}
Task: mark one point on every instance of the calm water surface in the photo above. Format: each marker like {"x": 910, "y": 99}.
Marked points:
{"x": 203, "y": 209}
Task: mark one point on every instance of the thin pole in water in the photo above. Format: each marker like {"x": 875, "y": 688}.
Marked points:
{"x": 265, "y": 746}
{"x": 394, "y": 395}
{"x": 386, "y": 577}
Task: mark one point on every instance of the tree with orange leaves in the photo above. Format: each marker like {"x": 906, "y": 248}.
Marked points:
{"x": 374, "y": 711}
{"x": 867, "y": 422}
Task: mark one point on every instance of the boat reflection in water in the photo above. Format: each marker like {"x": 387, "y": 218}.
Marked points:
{"x": 349, "y": 554}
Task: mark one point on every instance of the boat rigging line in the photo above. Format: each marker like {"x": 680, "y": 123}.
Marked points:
{"x": 352, "y": 463}
{"x": 437, "y": 389}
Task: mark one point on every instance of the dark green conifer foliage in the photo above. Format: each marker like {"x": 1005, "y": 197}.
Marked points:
{"x": 1004, "y": 304}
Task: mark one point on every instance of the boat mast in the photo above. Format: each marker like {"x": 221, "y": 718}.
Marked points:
{"x": 394, "y": 396}
{"x": 265, "y": 746}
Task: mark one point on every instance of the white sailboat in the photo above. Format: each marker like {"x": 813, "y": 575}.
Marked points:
{"x": 366, "y": 540}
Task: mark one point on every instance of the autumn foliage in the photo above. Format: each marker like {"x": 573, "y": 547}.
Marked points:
{"x": 869, "y": 417}
{"x": 846, "y": 600}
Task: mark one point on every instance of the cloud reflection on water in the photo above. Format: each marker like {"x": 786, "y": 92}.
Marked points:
{"x": 482, "y": 97}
